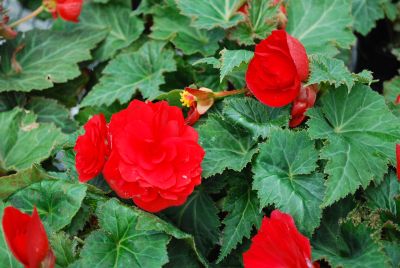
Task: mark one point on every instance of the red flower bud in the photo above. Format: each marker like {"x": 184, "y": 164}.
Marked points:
{"x": 278, "y": 243}
{"x": 304, "y": 100}
{"x": 275, "y": 73}
{"x": 68, "y": 10}
{"x": 27, "y": 239}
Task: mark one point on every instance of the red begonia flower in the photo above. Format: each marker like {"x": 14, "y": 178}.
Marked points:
{"x": 277, "y": 69}
{"x": 398, "y": 160}
{"x": 302, "y": 103}
{"x": 27, "y": 239}
{"x": 68, "y": 10}
{"x": 155, "y": 158}
{"x": 92, "y": 148}
{"x": 278, "y": 244}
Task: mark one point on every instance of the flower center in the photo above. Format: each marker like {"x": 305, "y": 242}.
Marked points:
{"x": 187, "y": 99}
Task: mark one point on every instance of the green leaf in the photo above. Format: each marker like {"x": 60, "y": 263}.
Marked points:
{"x": 6, "y": 257}
{"x": 361, "y": 134}
{"x": 48, "y": 57}
{"x": 226, "y": 145}
{"x": 56, "y": 201}
{"x": 243, "y": 209}
{"x": 230, "y": 59}
{"x": 120, "y": 243}
{"x": 50, "y": 111}
{"x": 259, "y": 24}
{"x": 255, "y": 116}
{"x": 382, "y": 197}
{"x": 180, "y": 255}
{"x": 208, "y": 14}
{"x": 24, "y": 140}
{"x": 331, "y": 71}
{"x": 347, "y": 245}
{"x": 284, "y": 176}
{"x": 321, "y": 25}
{"x": 366, "y": 13}
{"x": 199, "y": 217}
{"x": 122, "y": 26}
{"x": 391, "y": 89}
{"x": 12, "y": 183}
{"x": 170, "y": 25}
{"x": 142, "y": 70}
{"x": 392, "y": 250}
{"x": 63, "y": 248}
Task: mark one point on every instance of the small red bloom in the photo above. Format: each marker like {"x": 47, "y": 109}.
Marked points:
{"x": 155, "y": 158}
{"x": 278, "y": 244}
{"x": 398, "y": 160}
{"x": 68, "y": 10}
{"x": 199, "y": 101}
{"x": 302, "y": 103}
{"x": 397, "y": 101}
{"x": 27, "y": 238}
{"x": 92, "y": 148}
{"x": 277, "y": 69}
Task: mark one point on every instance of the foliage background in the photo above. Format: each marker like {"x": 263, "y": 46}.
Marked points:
{"x": 334, "y": 174}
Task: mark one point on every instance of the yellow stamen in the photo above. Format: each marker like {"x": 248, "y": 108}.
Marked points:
{"x": 187, "y": 99}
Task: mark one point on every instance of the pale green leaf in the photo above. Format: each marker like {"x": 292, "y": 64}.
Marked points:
{"x": 382, "y": 196}
{"x": 57, "y": 201}
{"x": 255, "y": 116}
{"x": 139, "y": 71}
{"x": 13, "y": 183}
{"x": 24, "y": 141}
{"x": 321, "y": 25}
{"x": 119, "y": 242}
{"x": 6, "y": 257}
{"x": 329, "y": 70}
{"x": 284, "y": 176}
{"x": 208, "y": 14}
{"x": 230, "y": 59}
{"x": 168, "y": 24}
{"x": 361, "y": 134}
{"x": 260, "y": 22}
{"x": 63, "y": 248}
{"x": 227, "y": 146}
{"x": 122, "y": 26}
{"x": 50, "y": 111}
{"x": 243, "y": 209}
{"x": 48, "y": 57}
{"x": 366, "y": 13}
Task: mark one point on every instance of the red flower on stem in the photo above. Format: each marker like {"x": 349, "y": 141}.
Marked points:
{"x": 199, "y": 101}
{"x": 92, "y": 148}
{"x": 68, "y": 10}
{"x": 155, "y": 158}
{"x": 277, "y": 69}
{"x": 278, "y": 244}
{"x": 27, "y": 238}
{"x": 398, "y": 160}
{"x": 302, "y": 103}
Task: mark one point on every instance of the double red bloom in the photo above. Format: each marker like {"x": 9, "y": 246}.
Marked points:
{"x": 154, "y": 159}
{"x": 278, "y": 244}
{"x": 279, "y": 66}
{"x": 27, "y": 238}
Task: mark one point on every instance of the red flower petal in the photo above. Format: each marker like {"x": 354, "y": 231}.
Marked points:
{"x": 37, "y": 241}
{"x": 278, "y": 243}
{"x": 92, "y": 148}
{"x": 69, "y": 10}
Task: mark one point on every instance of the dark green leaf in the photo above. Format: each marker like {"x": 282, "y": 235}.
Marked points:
{"x": 63, "y": 248}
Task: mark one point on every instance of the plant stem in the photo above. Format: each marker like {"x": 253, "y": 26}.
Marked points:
{"x": 223, "y": 94}
{"x": 30, "y": 16}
